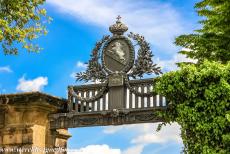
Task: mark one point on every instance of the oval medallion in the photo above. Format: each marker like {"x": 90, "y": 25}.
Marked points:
{"x": 118, "y": 55}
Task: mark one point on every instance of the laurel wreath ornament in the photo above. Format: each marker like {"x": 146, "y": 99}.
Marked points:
{"x": 143, "y": 64}
{"x": 94, "y": 69}
{"x": 95, "y": 72}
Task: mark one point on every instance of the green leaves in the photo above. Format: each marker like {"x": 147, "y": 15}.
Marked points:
{"x": 228, "y": 117}
{"x": 200, "y": 94}
{"x": 200, "y": 103}
{"x": 212, "y": 41}
{"x": 20, "y": 23}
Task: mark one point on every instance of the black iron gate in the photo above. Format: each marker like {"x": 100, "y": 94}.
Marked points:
{"x": 116, "y": 99}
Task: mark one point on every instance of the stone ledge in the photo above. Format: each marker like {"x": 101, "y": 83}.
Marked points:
{"x": 31, "y": 97}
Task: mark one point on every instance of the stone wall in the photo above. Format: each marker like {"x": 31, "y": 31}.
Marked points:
{"x": 24, "y": 124}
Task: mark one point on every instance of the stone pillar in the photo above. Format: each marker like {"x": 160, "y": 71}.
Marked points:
{"x": 24, "y": 124}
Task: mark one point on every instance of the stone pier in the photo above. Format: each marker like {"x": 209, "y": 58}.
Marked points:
{"x": 24, "y": 124}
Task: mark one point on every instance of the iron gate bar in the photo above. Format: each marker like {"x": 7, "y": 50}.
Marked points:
{"x": 84, "y": 115}
{"x": 140, "y": 100}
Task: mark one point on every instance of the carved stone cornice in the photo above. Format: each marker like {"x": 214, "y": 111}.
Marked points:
{"x": 30, "y": 98}
{"x": 62, "y": 133}
{"x": 105, "y": 118}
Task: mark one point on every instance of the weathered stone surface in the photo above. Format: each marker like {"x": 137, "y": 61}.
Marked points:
{"x": 24, "y": 122}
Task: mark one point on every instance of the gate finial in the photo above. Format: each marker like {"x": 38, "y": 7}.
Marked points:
{"x": 118, "y": 28}
{"x": 118, "y": 18}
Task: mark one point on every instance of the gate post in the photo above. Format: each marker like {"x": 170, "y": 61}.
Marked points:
{"x": 117, "y": 92}
{"x": 24, "y": 124}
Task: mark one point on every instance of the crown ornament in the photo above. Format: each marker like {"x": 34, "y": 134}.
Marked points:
{"x": 118, "y": 28}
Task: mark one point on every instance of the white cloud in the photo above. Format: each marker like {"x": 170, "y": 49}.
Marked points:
{"x": 146, "y": 134}
{"x": 113, "y": 129}
{"x": 5, "y": 69}
{"x": 159, "y": 22}
{"x": 81, "y": 65}
{"x": 96, "y": 149}
{"x": 137, "y": 149}
{"x": 36, "y": 84}
{"x": 160, "y": 149}
{"x": 167, "y": 134}
{"x": 73, "y": 75}
{"x": 170, "y": 65}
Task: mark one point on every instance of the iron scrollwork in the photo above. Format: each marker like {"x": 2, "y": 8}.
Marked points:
{"x": 100, "y": 93}
{"x": 123, "y": 62}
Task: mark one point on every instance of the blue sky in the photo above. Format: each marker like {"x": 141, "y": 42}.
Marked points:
{"x": 76, "y": 26}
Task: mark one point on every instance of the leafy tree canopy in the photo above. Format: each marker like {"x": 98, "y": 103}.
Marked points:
{"x": 199, "y": 95}
{"x": 212, "y": 41}
{"x": 200, "y": 102}
{"x": 21, "y": 21}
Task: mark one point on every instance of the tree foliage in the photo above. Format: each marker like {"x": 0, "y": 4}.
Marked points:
{"x": 21, "y": 21}
{"x": 200, "y": 102}
{"x": 199, "y": 94}
{"x": 212, "y": 41}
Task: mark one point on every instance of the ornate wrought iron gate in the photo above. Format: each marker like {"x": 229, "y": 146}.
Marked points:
{"x": 116, "y": 99}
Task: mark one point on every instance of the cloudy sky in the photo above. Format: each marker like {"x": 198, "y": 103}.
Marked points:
{"x": 76, "y": 26}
